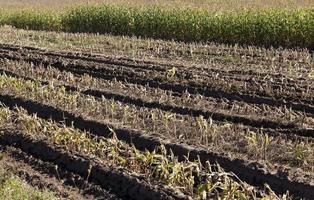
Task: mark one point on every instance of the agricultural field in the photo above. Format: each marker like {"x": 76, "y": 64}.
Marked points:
{"x": 107, "y": 111}
{"x": 208, "y": 4}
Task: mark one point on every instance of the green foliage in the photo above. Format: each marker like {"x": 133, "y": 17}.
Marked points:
{"x": 3, "y": 18}
{"x": 263, "y": 28}
{"x": 35, "y": 20}
{"x": 14, "y": 188}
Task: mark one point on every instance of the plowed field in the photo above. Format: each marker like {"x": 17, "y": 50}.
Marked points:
{"x": 255, "y": 119}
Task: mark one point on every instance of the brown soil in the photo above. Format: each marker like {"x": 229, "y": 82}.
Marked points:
{"x": 45, "y": 176}
{"x": 119, "y": 181}
{"x": 251, "y": 114}
{"x": 254, "y": 173}
{"x": 205, "y": 81}
{"x": 225, "y": 93}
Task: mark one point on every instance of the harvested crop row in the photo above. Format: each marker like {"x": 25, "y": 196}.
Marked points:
{"x": 159, "y": 99}
{"x": 195, "y": 54}
{"x": 297, "y": 106}
{"x": 301, "y": 83}
{"x": 14, "y": 186}
{"x": 46, "y": 176}
{"x": 264, "y": 62}
{"x": 157, "y": 166}
{"x": 282, "y": 70}
{"x": 264, "y": 28}
{"x": 138, "y": 117}
{"x": 252, "y": 99}
{"x": 207, "y": 84}
{"x": 143, "y": 142}
{"x": 297, "y": 74}
{"x": 176, "y": 80}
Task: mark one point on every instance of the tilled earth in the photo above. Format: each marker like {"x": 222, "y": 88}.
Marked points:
{"x": 256, "y": 124}
{"x": 44, "y": 175}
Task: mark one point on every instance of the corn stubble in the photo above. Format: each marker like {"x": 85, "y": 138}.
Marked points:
{"x": 190, "y": 177}
{"x": 268, "y": 28}
{"x": 226, "y": 137}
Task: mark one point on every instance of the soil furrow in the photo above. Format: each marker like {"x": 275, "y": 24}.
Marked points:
{"x": 111, "y": 74}
{"x": 303, "y": 106}
{"x": 157, "y": 66}
{"x": 125, "y": 185}
{"x": 45, "y": 175}
{"x": 252, "y": 173}
{"x": 278, "y": 81}
{"x": 123, "y": 125}
{"x": 289, "y": 129}
{"x": 238, "y": 75}
{"x": 220, "y": 50}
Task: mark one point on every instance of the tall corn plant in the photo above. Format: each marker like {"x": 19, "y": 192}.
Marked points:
{"x": 104, "y": 19}
{"x": 265, "y": 28}
{"x": 35, "y": 20}
{"x": 259, "y": 27}
{"x": 4, "y": 17}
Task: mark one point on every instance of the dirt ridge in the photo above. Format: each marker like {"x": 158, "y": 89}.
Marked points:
{"x": 193, "y": 88}
{"x": 45, "y": 175}
{"x": 125, "y": 185}
{"x": 249, "y": 172}
{"x": 269, "y": 126}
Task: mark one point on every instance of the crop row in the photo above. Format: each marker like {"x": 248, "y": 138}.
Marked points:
{"x": 157, "y": 166}
{"x": 267, "y": 61}
{"x": 239, "y": 140}
{"x": 15, "y": 187}
{"x": 230, "y": 85}
{"x": 289, "y": 92}
{"x": 266, "y": 28}
{"x": 49, "y": 180}
{"x": 98, "y": 126}
{"x": 185, "y": 104}
{"x": 278, "y": 66}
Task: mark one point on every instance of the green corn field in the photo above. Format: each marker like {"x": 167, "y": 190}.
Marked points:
{"x": 272, "y": 27}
